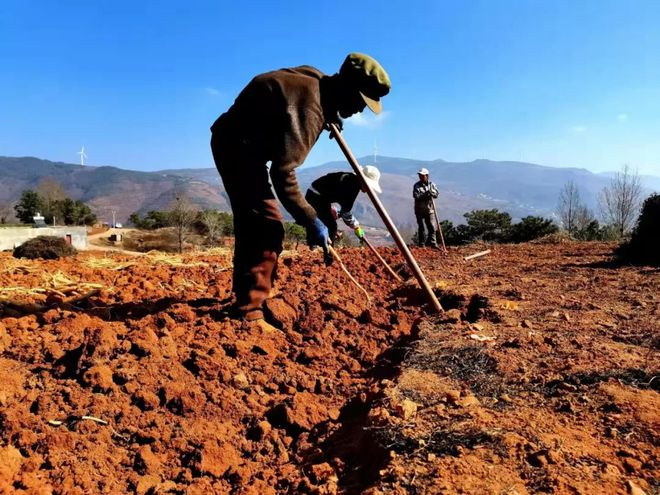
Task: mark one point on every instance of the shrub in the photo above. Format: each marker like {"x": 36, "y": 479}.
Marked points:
{"x": 294, "y": 234}
{"x": 593, "y": 231}
{"x": 530, "y": 228}
{"x": 44, "y": 246}
{"x": 487, "y": 225}
{"x": 643, "y": 245}
{"x": 151, "y": 221}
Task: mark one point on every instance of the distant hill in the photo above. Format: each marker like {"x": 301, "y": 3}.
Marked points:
{"x": 106, "y": 188}
{"x": 516, "y": 187}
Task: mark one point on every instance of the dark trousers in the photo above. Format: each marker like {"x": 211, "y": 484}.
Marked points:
{"x": 258, "y": 227}
{"x": 323, "y": 210}
{"x": 426, "y": 219}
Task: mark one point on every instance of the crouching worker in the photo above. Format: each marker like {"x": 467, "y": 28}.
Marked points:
{"x": 277, "y": 118}
{"x": 341, "y": 188}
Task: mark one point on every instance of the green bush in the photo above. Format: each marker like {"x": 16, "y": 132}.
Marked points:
{"x": 151, "y": 221}
{"x": 294, "y": 234}
{"x": 451, "y": 234}
{"x": 70, "y": 212}
{"x": 488, "y": 225}
{"x": 65, "y": 211}
{"x": 28, "y": 206}
{"x": 643, "y": 247}
{"x": 595, "y": 232}
{"x": 530, "y": 228}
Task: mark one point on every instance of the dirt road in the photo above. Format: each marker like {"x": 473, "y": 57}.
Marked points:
{"x": 99, "y": 242}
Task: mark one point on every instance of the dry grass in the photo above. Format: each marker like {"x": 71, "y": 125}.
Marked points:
{"x": 108, "y": 263}
{"x": 55, "y": 284}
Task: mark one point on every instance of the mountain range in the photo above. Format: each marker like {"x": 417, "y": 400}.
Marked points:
{"x": 516, "y": 187}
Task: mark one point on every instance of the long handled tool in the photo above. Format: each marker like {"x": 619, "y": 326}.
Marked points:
{"x": 387, "y": 220}
{"x": 380, "y": 258}
{"x": 343, "y": 267}
{"x": 437, "y": 223}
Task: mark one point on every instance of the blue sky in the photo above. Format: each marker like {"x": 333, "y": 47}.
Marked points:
{"x": 555, "y": 82}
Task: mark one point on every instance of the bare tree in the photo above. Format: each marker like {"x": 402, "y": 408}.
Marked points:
{"x": 181, "y": 216}
{"x": 213, "y": 224}
{"x": 6, "y": 213}
{"x": 583, "y": 217}
{"x": 569, "y": 206}
{"x": 621, "y": 199}
{"x": 50, "y": 191}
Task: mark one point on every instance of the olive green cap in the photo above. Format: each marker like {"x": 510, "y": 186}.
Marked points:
{"x": 369, "y": 77}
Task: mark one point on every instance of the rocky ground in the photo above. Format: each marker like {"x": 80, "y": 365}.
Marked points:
{"x": 540, "y": 377}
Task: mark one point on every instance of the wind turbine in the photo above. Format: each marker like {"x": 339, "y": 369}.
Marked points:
{"x": 82, "y": 156}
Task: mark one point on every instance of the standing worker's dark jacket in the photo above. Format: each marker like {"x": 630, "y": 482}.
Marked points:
{"x": 342, "y": 188}
{"x": 424, "y": 195}
{"x": 278, "y": 117}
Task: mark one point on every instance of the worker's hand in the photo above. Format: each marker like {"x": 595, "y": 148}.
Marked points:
{"x": 317, "y": 234}
{"x": 337, "y": 120}
{"x": 359, "y": 232}
{"x": 328, "y": 258}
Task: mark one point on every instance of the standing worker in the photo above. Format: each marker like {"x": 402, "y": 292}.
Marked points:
{"x": 277, "y": 118}
{"x": 424, "y": 192}
{"x": 341, "y": 188}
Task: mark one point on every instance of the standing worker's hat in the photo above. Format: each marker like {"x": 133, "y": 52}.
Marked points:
{"x": 423, "y": 171}
{"x": 372, "y": 176}
{"x": 369, "y": 77}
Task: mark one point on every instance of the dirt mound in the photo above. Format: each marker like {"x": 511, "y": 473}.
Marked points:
{"x": 540, "y": 372}
{"x": 45, "y": 247}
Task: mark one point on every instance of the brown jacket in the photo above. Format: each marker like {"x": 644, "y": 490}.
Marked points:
{"x": 279, "y": 118}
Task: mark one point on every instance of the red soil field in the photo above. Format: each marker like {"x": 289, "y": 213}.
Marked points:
{"x": 540, "y": 377}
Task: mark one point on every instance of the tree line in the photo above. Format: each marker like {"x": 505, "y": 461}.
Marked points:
{"x": 51, "y": 201}
{"x": 186, "y": 219}
{"x": 495, "y": 226}
{"x": 619, "y": 204}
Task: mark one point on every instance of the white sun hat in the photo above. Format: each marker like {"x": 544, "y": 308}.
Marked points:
{"x": 372, "y": 175}
{"x": 423, "y": 171}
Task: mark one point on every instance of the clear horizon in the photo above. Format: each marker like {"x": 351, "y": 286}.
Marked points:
{"x": 560, "y": 84}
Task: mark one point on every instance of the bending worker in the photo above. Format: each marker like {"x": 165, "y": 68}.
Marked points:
{"x": 342, "y": 188}
{"x": 424, "y": 192}
{"x": 277, "y": 118}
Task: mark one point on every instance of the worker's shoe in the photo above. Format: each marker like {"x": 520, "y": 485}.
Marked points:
{"x": 257, "y": 319}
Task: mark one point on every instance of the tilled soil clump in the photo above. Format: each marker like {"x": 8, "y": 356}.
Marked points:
{"x": 193, "y": 401}
{"x": 540, "y": 377}
{"x": 544, "y": 381}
